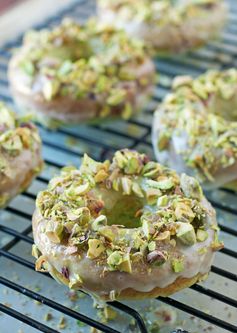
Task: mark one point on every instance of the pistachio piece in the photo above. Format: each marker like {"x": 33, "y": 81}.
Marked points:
{"x": 162, "y": 201}
{"x": 137, "y": 190}
{"x": 116, "y": 97}
{"x": 116, "y": 183}
{"x": 54, "y": 231}
{"x": 152, "y": 194}
{"x": 75, "y": 282}
{"x": 115, "y": 259}
{"x": 7, "y": 117}
{"x": 78, "y": 190}
{"x": 35, "y": 251}
{"x": 183, "y": 212}
{"x": 10, "y": 142}
{"x": 157, "y": 257}
{"x": 190, "y": 187}
{"x": 163, "y": 236}
{"x": 177, "y": 265}
{"x": 126, "y": 185}
{"x": 107, "y": 232}
{"x": 95, "y": 248}
{"x": 125, "y": 265}
{"x": 132, "y": 165}
{"x": 164, "y": 184}
{"x": 127, "y": 112}
{"x": 50, "y": 89}
{"x": 202, "y": 235}
{"x": 80, "y": 215}
{"x": 120, "y": 159}
{"x": 186, "y": 233}
{"x": 145, "y": 227}
{"x": 28, "y": 67}
{"x": 101, "y": 176}
{"x": 179, "y": 81}
{"x": 98, "y": 222}
{"x": 151, "y": 170}
{"x": 163, "y": 140}
{"x": 152, "y": 246}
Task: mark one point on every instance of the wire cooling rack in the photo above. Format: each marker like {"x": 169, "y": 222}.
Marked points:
{"x": 32, "y": 302}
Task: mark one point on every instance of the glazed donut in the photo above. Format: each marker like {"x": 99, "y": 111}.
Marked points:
{"x": 20, "y": 154}
{"x": 195, "y": 128}
{"x": 77, "y": 73}
{"x": 129, "y": 229}
{"x": 168, "y": 26}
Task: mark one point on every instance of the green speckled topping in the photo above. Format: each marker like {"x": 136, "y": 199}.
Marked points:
{"x": 88, "y": 61}
{"x": 160, "y": 12}
{"x": 124, "y": 212}
{"x": 16, "y": 134}
{"x": 202, "y": 111}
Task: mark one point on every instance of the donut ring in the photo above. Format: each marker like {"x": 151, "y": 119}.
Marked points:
{"x": 195, "y": 128}
{"x": 20, "y": 154}
{"x": 127, "y": 229}
{"x": 77, "y": 73}
{"x": 166, "y": 26}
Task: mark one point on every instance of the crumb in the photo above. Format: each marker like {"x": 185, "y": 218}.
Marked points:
{"x": 73, "y": 296}
{"x": 80, "y": 323}
{"x": 48, "y": 316}
{"x": 62, "y": 323}
{"x": 37, "y": 289}
{"x": 94, "y": 330}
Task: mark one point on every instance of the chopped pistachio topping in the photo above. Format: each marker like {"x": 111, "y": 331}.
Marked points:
{"x": 177, "y": 265}
{"x": 201, "y": 115}
{"x": 84, "y": 61}
{"x": 139, "y": 218}
{"x": 16, "y": 135}
{"x": 160, "y": 12}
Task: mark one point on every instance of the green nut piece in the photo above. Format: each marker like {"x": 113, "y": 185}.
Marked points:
{"x": 75, "y": 282}
{"x": 125, "y": 265}
{"x": 152, "y": 246}
{"x": 115, "y": 259}
{"x": 164, "y": 184}
{"x": 177, "y": 265}
{"x": 186, "y": 234}
{"x": 107, "y": 232}
{"x": 120, "y": 261}
{"x": 99, "y": 222}
{"x": 191, "y": 187}
{"x": 54, "y": 231}
{"x": 162, "y": 201}
{"x": 202, "y": 235}
{"x": 95, "y": 248}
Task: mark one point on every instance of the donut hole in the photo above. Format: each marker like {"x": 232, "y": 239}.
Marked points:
{"x": 72, "y": 52}
{"x": 122, "y": 209}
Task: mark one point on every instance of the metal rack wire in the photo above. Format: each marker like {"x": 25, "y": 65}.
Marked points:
{"x": 100, "y": 141}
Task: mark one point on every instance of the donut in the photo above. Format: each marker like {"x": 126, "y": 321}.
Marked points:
{"x": 20, "y": 154}
{"x": 76, "y": 73}
{"x": 126, "y": 229}
{"x": 195, "y": 128}
{"x": 168, "y": 26}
